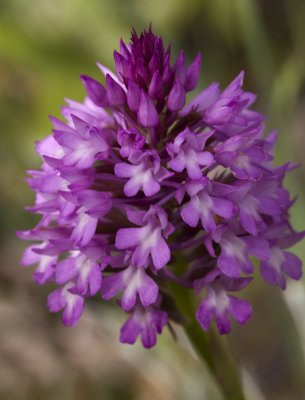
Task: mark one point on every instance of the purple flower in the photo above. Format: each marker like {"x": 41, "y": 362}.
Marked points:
{"x": 236, "y": 250}
{"x": 219, "y": 305}
{"x": 131, "y": 142}
{"x": 72, "y": 304}
{"x": 204, "y": 206}
{"x": 135, "y": 282}
{"x": 136, "y": 179}
{"x": 87, "y": 111}
{"x": 279, "y": 264}
{"x": 187, "y": 153}
{"x": 82, "y": 146}
{"x": 149, "y": 240}
{"x": 46, "y": 262}
{"x": 228, "y": 106}
{"x": 93, "y": 205}
{"x": 243, "y": 156}
{"x": 85, "y": 270}
{"x": 145, "y": 174}
{"x": 144, "y": 322}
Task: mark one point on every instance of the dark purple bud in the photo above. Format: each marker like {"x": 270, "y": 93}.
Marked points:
{"x": 179, "y": 68}
{"x": 159, "y": 47}
{"x": 120, "y": 63}
{"x": 96, "y": 91}
{"x": 192, "y": 74}
{"x": 168, "y": 51}
{"x": 141, "y": 70}
{"x": 133, "y": 96}
{"x": 124, "y": 49}
{"x": 115, "y": 93}
{"x": 156, "y": 86}
{"x": 167, "y": 76}
{"x": 148, "y": 45}
{"x": 176, "y": 97}
{"x": 154, "y": 63}
{"x": 147, "y": 113}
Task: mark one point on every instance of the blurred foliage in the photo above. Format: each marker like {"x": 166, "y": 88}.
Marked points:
{"x": 44, "y": 46}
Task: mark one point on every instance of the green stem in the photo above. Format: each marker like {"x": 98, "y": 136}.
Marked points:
{"x": 210, "y": 347}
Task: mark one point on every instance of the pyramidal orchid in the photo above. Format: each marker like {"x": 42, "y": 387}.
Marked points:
{"x": 136, "y": 179}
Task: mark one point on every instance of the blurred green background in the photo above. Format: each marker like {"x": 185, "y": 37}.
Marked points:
{"x": 44, "y": 46}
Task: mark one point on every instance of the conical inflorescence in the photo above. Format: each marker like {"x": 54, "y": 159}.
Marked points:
{"x": 136, "y": 177}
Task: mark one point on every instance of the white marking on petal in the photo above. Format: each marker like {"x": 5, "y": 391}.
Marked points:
{"x": 85, "y": 269}
{"x": 234, "y": 247}
{"x": 132, "y": 280}
{"x": 149, "y": 237}
{"x": 251, "y": 204}
{"x": 190, "y": 157}
{"x": 243, "y": 161}
{"x": 222, "y": 301}
{"x": 276, "y": 258}
{"x": 204, "y": 205}
{"x": 69, "y": 298}
{"x": 45, "y": 261}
